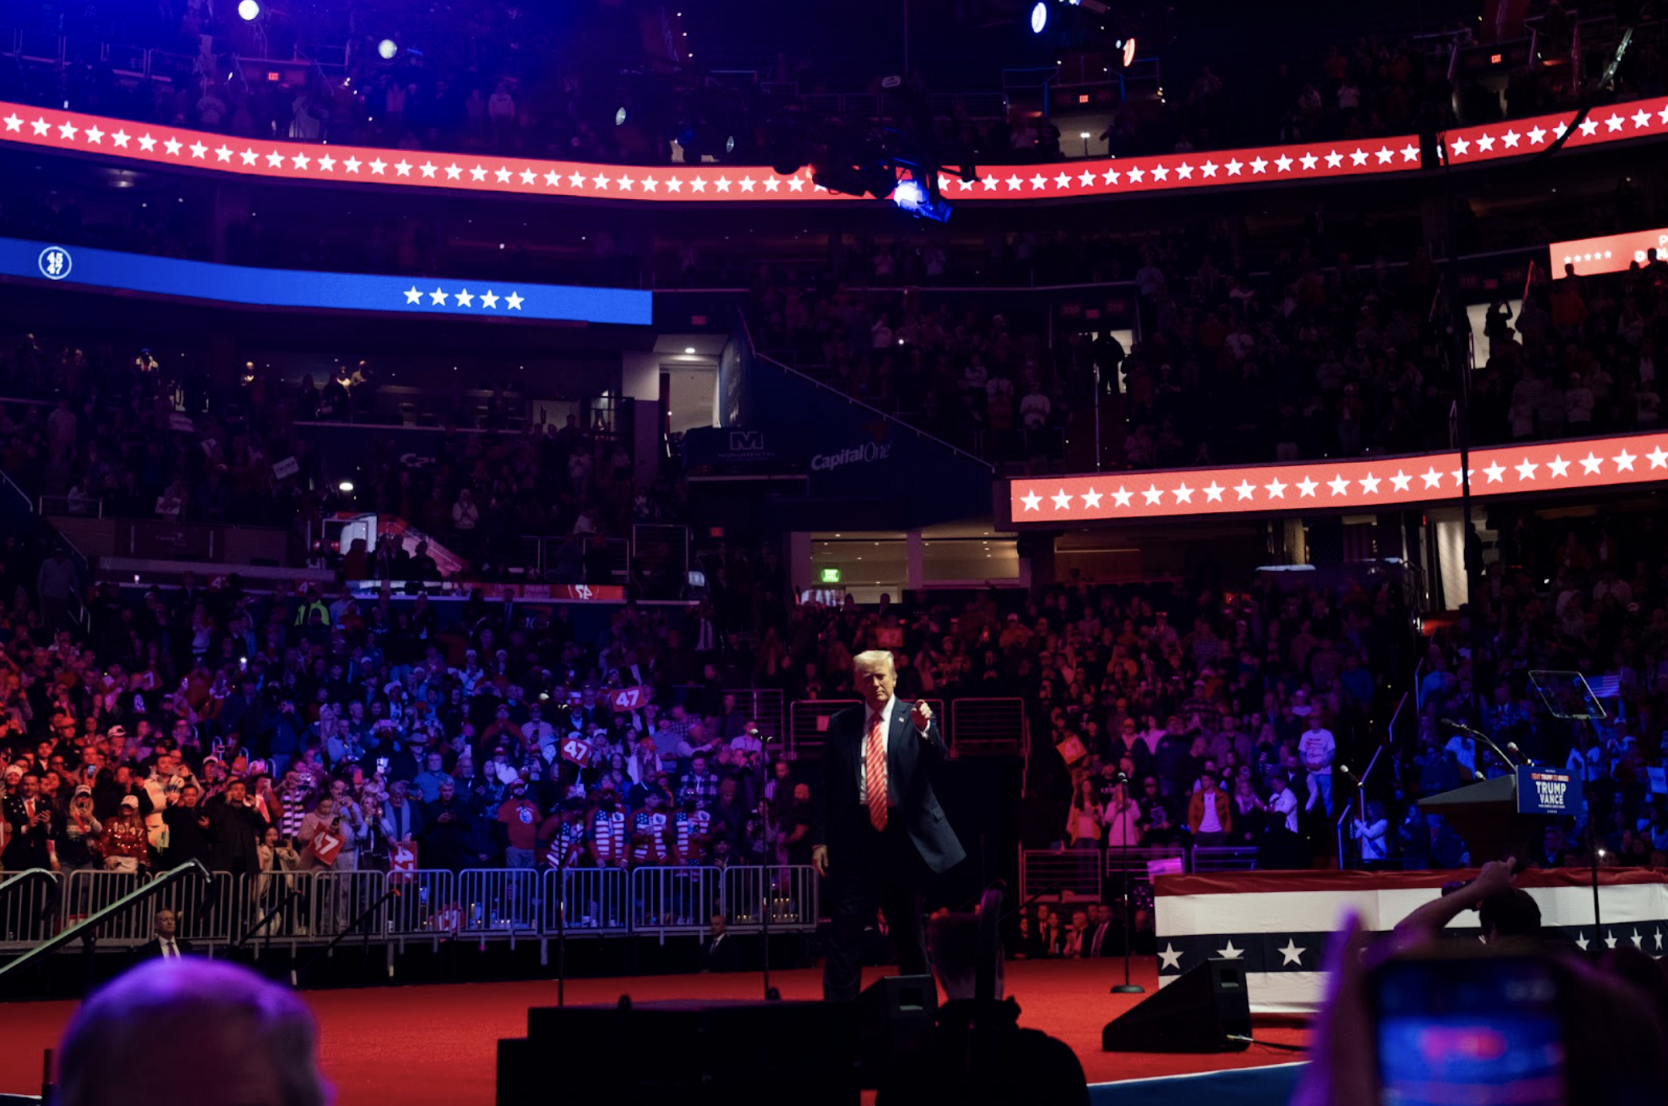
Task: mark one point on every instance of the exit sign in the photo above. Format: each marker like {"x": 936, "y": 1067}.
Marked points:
{"x": 830, "y": 576}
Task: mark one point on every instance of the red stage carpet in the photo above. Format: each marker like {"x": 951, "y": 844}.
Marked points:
{"x": 436, "y": 1045}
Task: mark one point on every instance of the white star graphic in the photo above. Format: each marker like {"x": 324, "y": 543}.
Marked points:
{"x": 488, "y": 299}
{"x": 795, "y": 184}
{"x": 1309, "y": 161}
{"x": 1385, "y": 155}
{"x": 13, "y": 122}
{"x": 1657, "y": 934}
{"x": 514, "y": 300}
{"x": 624, "y": 184}
{"x": 1401, "y": 481}
{"x": 1086, "y": 179}
{"x": 1258, "y": 165}
{"x": 1589, "y": 127}
{"x": 1135, "y": 174}
{"x": 1110, "y": 176}
{"x": 1230, "y": 953}
{"x": 1030, "y": 499}
{"x": 1432, "y": 478}
{"x": 437, "y": 297}
{"x": 1614, "y": 123}
{"x": 275, "y": 160}
{"x": 1013, "y": 182}
{"x": 95, "y": 137}
{"x": 1062, "y": 500}
{"x": 1369, "y": 485}
{"x": 1638, "y": 941}
{"x": 1091, "y": 499}
{"x": 352, "y": 164}
{"x": 224, "y": 153}
{"x": 428, "y": 169}
{"x": 1062, "y": 181}
{"x": 1494, "y": 472}
{"x": 1235, "y": 165}
{"x": 1485, "y": 142}
{"x": 1558, "y": 466}
{"x": 478, "y": 173}
{"x": 465, "y": 298}
{"x": 1581, "y": 941}
{"x": 1526, "y": 470}
{"x": 503, "y": 174}
{"x": 1306, "y": 487}
{"x": 41, "y": 126}
{"x": 1184, "y": 171}
{"x": 197, "y": 150}
{"x": 1511, "y": 139}
{"x": 1591, "y": 464}
{"x": 1183, "y": 493}
{"x": 1624, "y": 461}
{"x": 1291, "y": 954}
{"x": 1039, "y": 182}
{"x": 1170, "y": 958}
{"x": 67, "y": 130}
{"x": 1338, "y": 484}
{"x": 326, "y": 162}
{"x": 1334, "y": 159}
{"x": 1658, "y": 457}
{"x": 1537, "y": 135}
{"x": 453, "y": 171}
{"x": 1245, "y": 489}
{"x": 1121, "y": 498}
{"x": 378, "y": 167}
{"x": 1153, "y": 495}
{"x": 1359, "y": 157}
{"x": 1213, "y": 493}
{"x": 1663, "y": 115}
{"x": 1275, "y": 489}
{"x": 1459, "y": 146}
{"x": 552, "y": 180}
{"x": 301, "y": 160}
{"x": 1209, "y": 168}
{"x": 147, "y": 143}
{"x": 528, "y": 176}
{"x": 650, "y": 184}
{"x": 1459, "y": 478}
{"x": 120, "y": 138}
{"x": 1610, "y": 939}
{"x": 249, "y": 157}
{"x": 412, "y": 295}
{"x": 577, "y": 180}
{"x": 173, "y": 146}
{"x": 1410, "y": 152}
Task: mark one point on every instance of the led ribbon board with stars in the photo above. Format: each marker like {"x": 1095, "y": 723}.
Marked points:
{"x": 1361, "y": 484}
{"x": 288, "y": 288}
{"x": 114, "y": 139}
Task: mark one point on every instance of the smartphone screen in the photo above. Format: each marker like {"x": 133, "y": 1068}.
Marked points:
{"x": 1468, "y": 1032}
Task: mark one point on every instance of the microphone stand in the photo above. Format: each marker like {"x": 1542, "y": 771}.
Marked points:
{"x": 1126, "y": 987}
{"x": 767, "y": 894}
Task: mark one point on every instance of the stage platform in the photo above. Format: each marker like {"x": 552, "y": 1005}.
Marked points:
{"x": 435, "y": 1045}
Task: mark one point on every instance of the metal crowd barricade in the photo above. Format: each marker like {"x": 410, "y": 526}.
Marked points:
{"x": 30, "y": 908}
{"x": 669, "y": 901}
{"x": 339, "y": 899}
{"x": 988, "y": 726}
{"x": 808, "y": 723}
{"x": 1224, "y": 859}
{"x": 206, "y": 911}
{"x": 792, "y": 898}
{"x": 499, "y": 900}
{"x": 1072, "y": 872}
{"x": 593, "y": 901}
{"x": 427, "y": 904}
{"x": 88, "y": 891}
{"x": 765, "y": 707}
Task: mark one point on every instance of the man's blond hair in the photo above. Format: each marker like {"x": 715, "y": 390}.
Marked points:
{"x": 872, "y": 659}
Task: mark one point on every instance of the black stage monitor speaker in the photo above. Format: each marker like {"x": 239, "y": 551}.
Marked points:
{"x": 693, "y": 1053}
{"x": 893, "y": 1017}
{"x": 1202, "y": 1011}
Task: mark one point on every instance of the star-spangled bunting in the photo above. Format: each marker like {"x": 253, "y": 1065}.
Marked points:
{"x": 1369, "y": 483}
{"x": 1517, "y": 137}
{"x": 487, "y": 301}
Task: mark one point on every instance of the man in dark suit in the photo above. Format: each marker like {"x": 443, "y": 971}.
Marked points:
{"x": 877, "y": 823}
{"x": 166, "y": 944}
{"x": 235, "y": 829}
{"x": 1102, "y": 940}
{"x": 720, "y": 952}
{"x": 32, "y": 828}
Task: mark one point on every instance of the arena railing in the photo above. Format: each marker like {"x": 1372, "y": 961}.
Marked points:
{"x": 1077, "y": 873}
{"x": 310, "y": 909}
{"x": 989, "y": 726}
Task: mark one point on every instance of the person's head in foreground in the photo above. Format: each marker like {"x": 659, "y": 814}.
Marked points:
{"x": 244, "y": 1040}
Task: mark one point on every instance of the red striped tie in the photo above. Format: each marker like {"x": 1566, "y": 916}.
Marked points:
{"x": 875, "y": 775}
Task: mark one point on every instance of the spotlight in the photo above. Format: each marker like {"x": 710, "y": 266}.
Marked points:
{"x": 1129, "y": 51}
{"x": 620, "y": 117}
{"x": 345, "y": 487}
{"x": 1039, "y": 17}
{"x": 249, "y": 11}
{"x": 386, "y": 49}
{"x": 915, "y": 198}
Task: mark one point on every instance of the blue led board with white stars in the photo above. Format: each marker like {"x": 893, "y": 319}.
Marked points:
{"x": 288, "y": 288}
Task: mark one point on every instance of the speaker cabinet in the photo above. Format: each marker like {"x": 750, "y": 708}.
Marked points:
{"x": 894, "y": 1016}
{"x": 1200, "y": 1012}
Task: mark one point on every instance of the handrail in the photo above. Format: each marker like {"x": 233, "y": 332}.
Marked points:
{"x": 1361, "y": 784}
{"x": 93, "y": 921}
{"x": 25, "y": 875}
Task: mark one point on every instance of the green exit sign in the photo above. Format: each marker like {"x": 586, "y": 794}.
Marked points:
{"x": 830, "y": 575}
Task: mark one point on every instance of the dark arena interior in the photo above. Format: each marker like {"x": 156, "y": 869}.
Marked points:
{"x": 894, "y": 551}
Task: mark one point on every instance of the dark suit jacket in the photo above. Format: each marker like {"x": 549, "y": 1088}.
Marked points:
{"x": 152, "y": 949}
{"x": 28, "y": 847}
{"x": 234, "y": 832}
{"x": 729, "y": 956}
{"x": 838, "y": 814}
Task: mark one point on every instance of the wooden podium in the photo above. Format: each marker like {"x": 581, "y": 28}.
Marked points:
{"x": 1485, "y": 814}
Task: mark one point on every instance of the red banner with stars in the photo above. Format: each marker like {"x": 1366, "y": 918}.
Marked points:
{"x": 1364, "y": 484}
{"x": 1517, "y": 137}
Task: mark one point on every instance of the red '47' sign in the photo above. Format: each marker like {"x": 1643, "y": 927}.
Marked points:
{"x": 630, "y": 698}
